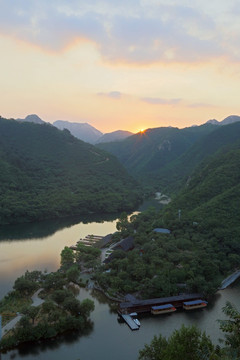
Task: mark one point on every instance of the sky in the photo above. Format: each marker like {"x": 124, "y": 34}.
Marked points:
{"x": 126, "y": 64}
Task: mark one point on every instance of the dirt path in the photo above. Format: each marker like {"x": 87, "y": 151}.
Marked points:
{"x": 36, "y": 301}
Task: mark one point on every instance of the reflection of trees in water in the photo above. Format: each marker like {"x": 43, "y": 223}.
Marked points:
{"x": 102, "y": 299}
{"x": 75, "y": 289}
{"x": 42, "y": 229}
{"x": 113, "y": 307}
{"x": 69, "y": 337}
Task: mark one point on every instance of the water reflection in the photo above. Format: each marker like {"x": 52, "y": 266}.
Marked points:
{"x": 24, "y": 247}
{"x": 42, "y": 229}
{"x": 68, "y": 338}
{"x": 106, "y": 337}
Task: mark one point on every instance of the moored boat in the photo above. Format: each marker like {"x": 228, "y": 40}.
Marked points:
{"x": 196, "y": 304}
{"x": 137, "y": 322}
{"x": 162, "y": 309}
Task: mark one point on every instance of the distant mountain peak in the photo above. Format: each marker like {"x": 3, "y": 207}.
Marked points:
{"x": 117, "y": 135}
{"x": 32, "y": 118}
{"x": 213, "y": 121}
{"x": 82, "y": 131}
{"x": 228, "y": 120}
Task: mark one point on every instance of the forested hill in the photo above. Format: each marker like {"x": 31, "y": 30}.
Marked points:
{"x": 212, "y": 194}
{"x": 145, "y": 155}
{"x": 203, "y": 245}
{"x": 48, "y": 173}
{"x": 178, "y": 172}
{"x": 164, "y": 158}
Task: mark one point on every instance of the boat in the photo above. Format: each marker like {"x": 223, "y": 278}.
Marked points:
{"x": 137, "y": 322}
{"x": 196, "y": 304}
{"x": 133, "y": 314}
{"x": 162, "y": 309}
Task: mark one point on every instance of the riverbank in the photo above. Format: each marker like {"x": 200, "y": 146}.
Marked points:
{"x": 59, "y": 310}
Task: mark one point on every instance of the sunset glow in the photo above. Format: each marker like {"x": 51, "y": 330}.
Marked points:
{"x": 116, "y": 65}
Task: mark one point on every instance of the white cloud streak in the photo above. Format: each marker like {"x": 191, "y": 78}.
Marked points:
{"x": 160, "y": 101}
{"x": 111, "y": 94}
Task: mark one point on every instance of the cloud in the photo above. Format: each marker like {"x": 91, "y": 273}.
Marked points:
{"x": 133, "y": 31}
{"x": 112, "y": 94}
{"x": 160, "y": 101}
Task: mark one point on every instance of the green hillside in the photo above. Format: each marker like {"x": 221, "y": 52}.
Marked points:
{"x": 164, "y": 158}
{"x": 47, "y": 173}
{"x": 212, "y": 195}
{"x": 178, "y": 172}
{"x": 203, "y": 246}
{"x": 147, "y": 155}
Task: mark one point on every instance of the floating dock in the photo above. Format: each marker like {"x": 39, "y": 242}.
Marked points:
{"x": 230, "y": 280}
{"x": 129, "y": 321}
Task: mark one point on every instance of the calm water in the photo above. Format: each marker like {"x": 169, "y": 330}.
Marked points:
{"x": 38, "y": 246}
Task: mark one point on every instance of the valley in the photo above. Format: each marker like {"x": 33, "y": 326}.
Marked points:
{"x": 48, "y": 174}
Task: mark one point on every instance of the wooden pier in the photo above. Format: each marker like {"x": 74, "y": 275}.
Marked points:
{"x": 89, "y": 240}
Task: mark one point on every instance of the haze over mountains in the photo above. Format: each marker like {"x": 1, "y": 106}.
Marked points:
{"x": 164, "y": 158}
{"x": 90, "y": 134}
{"x": 228, "y": 120}
{"x": 82, "y": 131}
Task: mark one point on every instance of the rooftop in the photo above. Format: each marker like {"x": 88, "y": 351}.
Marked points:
{"x": 162, "y": 231}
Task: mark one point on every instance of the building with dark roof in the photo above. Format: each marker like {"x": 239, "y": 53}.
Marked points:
{"x": 124, "y": 244}
{"x": 162, "y": 231}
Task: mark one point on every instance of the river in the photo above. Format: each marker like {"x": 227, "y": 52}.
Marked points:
{"x": 38, "y": 246}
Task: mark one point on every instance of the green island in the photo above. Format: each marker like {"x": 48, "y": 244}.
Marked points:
{"x": 57, "y": 310}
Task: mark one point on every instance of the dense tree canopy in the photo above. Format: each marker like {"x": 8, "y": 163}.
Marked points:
{"x": 48, "y": 173}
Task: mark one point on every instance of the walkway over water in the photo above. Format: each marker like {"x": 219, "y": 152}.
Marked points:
{"x": 128, "y": 319}
{"x": 230, "y": 280}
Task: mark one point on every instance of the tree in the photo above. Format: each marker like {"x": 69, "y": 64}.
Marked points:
{"x": 54, "y": 280}
{"x": 86, "y": 307}
{"x": 73, "y": 273}
{"x": 156, "y": 350}
{"x": 67, "y": 257}
{"x": 188, "y": 343}
{"x": 123, "y": 224}
{"x": 59, "y": 296}
{"x": 72, "y": 305}
{"x": 231, "y": 327}
{"x": 31, "y": 312}
{"x": 24, "y": 286}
